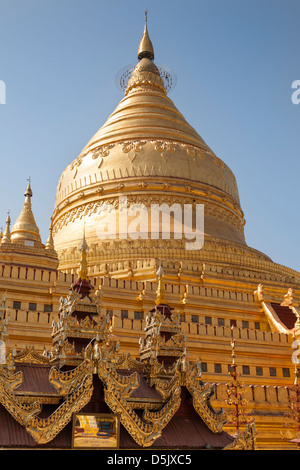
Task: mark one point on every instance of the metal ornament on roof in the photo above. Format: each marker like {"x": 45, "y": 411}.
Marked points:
{"x": 168, "y": 76}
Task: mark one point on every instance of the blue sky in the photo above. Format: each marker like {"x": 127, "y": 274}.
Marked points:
{"x": 235, "y": 61}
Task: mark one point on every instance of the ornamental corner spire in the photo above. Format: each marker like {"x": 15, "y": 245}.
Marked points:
{"x": 25, "y": 229}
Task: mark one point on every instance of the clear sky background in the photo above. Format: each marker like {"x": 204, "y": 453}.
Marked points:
{"x": 235, "y": 61}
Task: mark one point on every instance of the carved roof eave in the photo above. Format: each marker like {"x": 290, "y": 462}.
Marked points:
{"x": 31, "y": 356}
{"x": 77, "y": 388}
{"x": 128, "y": 362}
{"x": 163, "y": 351}
{"x": 145, "y": 431}
{"x": 77, "y": 333}
{"x": 25, "y": 406}
{"x": 9, "y": 380}
{"x": 44, "y": 430}
{"x": 66, "y": 382}
{"x": 37, "y": 399}
{"x": 13, "y": 404}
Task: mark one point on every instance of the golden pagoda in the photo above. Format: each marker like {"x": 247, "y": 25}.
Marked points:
{"x": 147, "y": 155}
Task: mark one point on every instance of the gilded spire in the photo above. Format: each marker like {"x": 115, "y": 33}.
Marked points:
{"x": 146, "y": 47}
{"x": 25, "y": 228}
{"x": 160, "y": 293}
{"x": 145, "y": 74}
{"x": 83, "y": 248}
{"x": 82, "y": 285}
{"x": 28, "y": 192}
{"x": 50, "y": 243}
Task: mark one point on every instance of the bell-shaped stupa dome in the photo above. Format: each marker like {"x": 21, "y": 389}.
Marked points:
{"x": 145, "y": 153}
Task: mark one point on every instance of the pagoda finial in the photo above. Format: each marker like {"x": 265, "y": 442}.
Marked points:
{"x": 28, "y": 191}
{"x": 146, "y": 47}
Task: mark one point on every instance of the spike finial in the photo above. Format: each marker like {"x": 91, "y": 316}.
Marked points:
{"x": 146, "y": 47}
{"x": 28, "y": 191}
{"x": 6, "y": 236}
{"x": 83, "y": 248}
{"x": 160, "y": 299}
{"x": 50, "y": 243}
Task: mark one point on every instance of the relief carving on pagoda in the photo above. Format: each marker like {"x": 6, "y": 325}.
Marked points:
{"x": 166, "y": 149}
{"x": 217, "y": 209}
{"x": 132, "y": 148}
{"x": 101, "y": 152}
